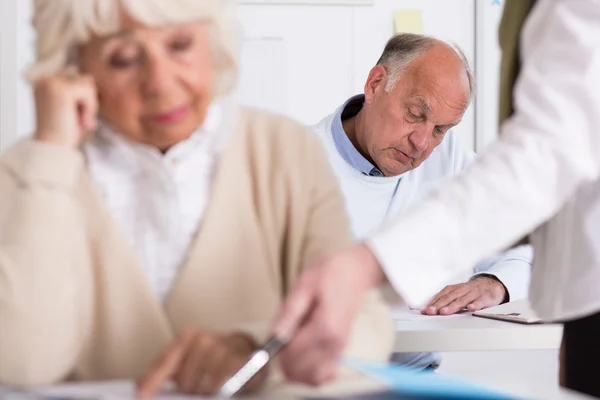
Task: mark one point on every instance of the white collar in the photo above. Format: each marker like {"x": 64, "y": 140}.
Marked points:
{"x": 120, "y": 150}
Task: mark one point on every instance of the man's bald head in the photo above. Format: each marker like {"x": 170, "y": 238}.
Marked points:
{"x": 403, "y": 49}
{"x": 419, "y": 89}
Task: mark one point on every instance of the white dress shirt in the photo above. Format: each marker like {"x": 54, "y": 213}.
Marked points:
{"x": 157, "y": 199}
{"x": 543, "y": 172}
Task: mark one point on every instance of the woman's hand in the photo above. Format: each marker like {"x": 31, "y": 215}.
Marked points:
{"x": 200, "y": 363}
{"x": 66, "y": 107}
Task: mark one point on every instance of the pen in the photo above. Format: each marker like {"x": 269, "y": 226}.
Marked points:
{"x": 257, "y": 361}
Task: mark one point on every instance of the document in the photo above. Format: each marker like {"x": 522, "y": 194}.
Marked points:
{"x": 519, "y": 311}
{"x": 112, "y": 390}
{"x": 404, "y": 314}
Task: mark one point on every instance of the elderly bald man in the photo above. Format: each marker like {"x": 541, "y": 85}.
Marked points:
{"x": 394, "y": 143}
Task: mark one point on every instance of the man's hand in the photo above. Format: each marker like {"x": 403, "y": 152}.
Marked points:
{"x": 199, "y": 363}
{"x": 479, "y": 293}
{"x": 319, "y": 312}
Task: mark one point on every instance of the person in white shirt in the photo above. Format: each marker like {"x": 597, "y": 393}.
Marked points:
{"x": 384, "y": 164}
{"x": 542, "y": 176}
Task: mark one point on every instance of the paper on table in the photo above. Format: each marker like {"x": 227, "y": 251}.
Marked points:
{"x": 404, "y": 314}
{"x": 112, "y": 390}
{"x": 422, "y": 384}
{"x": 408, "y": 21}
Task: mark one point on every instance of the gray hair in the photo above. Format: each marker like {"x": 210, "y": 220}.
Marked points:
{"x": 404, "y": 48}
{"x": 62, "y": 25}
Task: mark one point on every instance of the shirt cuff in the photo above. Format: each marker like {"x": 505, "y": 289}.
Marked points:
{"x": 514, "y": 275}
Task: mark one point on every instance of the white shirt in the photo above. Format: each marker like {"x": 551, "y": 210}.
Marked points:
{"x": 371, "y": 200}
{"x": 158, "y": 200}
{"x": 543, "y": 172}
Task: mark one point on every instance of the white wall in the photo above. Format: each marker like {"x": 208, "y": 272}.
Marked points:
{"x": 301, "y": 60}
{"x": 314, "y": 48}
{"x": 16, "y": 110}
{"x": 8, "y": 70}
{"x": 25, "y": 56}
{"x": 487, "y": 61}
{"x": 327, "y": 51}
{"x": 451, "y": 20}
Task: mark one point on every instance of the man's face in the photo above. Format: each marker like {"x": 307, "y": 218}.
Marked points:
{"x": 402, "y": 127}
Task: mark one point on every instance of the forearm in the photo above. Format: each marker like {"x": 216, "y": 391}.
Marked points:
{"x": 512, "y": 268}
{"x": 43, "y": 260}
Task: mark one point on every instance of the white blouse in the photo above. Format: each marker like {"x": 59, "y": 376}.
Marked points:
{"x": 158, "y": 199}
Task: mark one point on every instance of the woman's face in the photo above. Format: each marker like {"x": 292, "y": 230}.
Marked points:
{"x": 154, "y": 84}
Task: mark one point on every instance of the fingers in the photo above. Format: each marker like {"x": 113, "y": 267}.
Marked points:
{"x": 444, "y": 298}
{"x": 322, "y": 307}
{"x": 66, "y": 107}
{"x": 209, "y": 361}
{"x": 240, "y": 348}
{"x": 458, "y": 304}
{"x": 86, "y": 102}
{"x": 480, "y": 303}
{"x": 199, "y": 363}
{"x": 87, "y": 107}
{"x": 473, "y": 296}
{"x": 164, "y": 369}
{"x": 313, "y": 368}
{"x": 226, "y": 367}
{"x": 295, "y": 307}
{"x": 189, "y": 373}
{"x": 210, "y": 373}
{"x": 429, "y": 309}
{"x": 311, "y": 357}
{"x": 83, "y": 89}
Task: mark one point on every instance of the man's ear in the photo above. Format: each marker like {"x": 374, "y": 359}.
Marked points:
{"x": 375, "y": 82}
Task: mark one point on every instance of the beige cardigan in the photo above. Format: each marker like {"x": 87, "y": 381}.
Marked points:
{"x": 74, "y": 304}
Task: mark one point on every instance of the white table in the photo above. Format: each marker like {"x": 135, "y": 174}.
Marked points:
{"x": 524, "y": 389}
{"x": 464, "y": 332}
{"x": 122, "y": 390}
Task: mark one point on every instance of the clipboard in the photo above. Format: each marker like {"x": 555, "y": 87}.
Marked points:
{"x": 518, "y": 311}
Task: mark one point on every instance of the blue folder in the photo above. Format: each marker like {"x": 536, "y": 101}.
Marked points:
{"x": 416, "y": 384}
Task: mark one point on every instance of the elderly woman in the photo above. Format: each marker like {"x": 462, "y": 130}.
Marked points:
{"x": 150, "y": 227}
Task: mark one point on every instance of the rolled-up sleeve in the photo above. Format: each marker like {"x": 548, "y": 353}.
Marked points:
{"x": 512, "y": 268}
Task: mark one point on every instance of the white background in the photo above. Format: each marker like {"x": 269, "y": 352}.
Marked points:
{"x": 299, "y": 58}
